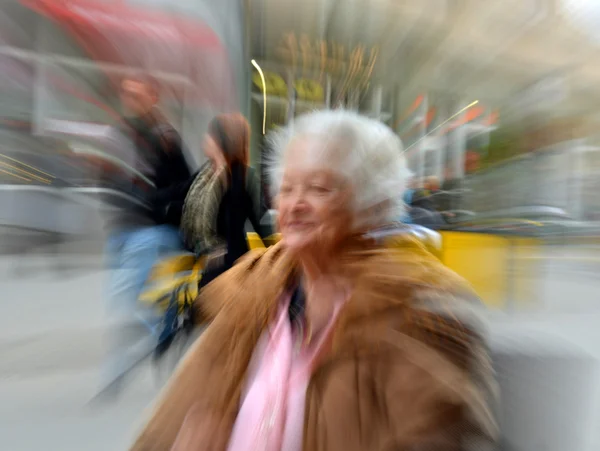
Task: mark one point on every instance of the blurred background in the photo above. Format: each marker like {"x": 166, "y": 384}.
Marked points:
{"x": 497, "y": 103}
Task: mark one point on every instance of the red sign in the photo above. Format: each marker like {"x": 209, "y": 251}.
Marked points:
{"x": 118, "y": 33}
{"x": 118, "y": 17}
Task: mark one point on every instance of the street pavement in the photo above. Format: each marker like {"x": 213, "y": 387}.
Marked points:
{"x": 53, "y": 327}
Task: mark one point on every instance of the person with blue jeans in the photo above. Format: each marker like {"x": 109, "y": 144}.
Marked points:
{"x": 420, "y": 209}
{"x": 142, "y": 235}
{"x": 131, "y": 256}
{"x": 407, "y": 199}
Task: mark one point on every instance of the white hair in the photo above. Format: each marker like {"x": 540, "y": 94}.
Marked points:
{"x": 371, "y": 160}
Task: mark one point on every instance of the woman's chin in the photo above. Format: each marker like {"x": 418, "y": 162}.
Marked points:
{"x": 297, "y": 243}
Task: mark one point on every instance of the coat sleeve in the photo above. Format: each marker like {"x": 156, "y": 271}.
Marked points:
{"x": 458, "y": 405}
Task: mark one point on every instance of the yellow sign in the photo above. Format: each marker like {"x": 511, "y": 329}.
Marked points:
{"x": 307, "y": 89}
{"x": 310, "y": 90}
{"x": 355, "y": 65}
{"x": 275, "y": 84}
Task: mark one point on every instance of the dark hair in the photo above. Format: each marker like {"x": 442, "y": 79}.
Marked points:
{"x": 231, "y": 132}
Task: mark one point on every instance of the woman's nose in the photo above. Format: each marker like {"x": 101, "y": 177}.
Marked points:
{"x": 298, "y": 201}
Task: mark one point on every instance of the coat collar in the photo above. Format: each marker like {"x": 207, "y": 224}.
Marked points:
{"x": 387, "y": 277}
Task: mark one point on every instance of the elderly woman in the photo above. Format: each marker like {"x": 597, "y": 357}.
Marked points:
{"x": 332, "y": 340}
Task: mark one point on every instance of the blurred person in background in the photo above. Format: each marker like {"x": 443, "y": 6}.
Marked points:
{"x": 140, "y": 236}
{"x": 223, "y": 197}
{"x": 432, "y": 184}
{"x": 422, "y": 209}
{"x": 407, "y": 197}
{"x": 451, "y": 184}
{"x": 331, "y": 339}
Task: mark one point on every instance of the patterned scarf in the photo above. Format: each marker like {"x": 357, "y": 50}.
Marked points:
{"x": 201, "y": 210}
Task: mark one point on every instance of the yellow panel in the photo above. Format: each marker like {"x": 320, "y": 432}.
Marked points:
{"x": 254, "y": 241}
{"x": 272, "y": 239}
{"x": 482, "y": 260}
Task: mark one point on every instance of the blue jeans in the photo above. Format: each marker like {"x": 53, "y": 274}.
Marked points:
{"x": 131, "y": 256}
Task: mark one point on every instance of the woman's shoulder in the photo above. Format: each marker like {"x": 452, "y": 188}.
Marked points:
{"x": 418, "y": 296}
{"x": 256, "y": 279}
{"x": 409, "y": 307}
{"x": 401, "y": 259}
{"x": 403, "y": 275}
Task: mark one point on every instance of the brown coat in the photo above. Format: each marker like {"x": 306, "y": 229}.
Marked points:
{"x": 406, "y": 369}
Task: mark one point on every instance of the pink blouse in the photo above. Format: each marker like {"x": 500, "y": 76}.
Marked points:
{"x": 271, "y": 417}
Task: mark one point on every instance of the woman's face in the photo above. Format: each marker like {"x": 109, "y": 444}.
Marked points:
{"x": 213, "y": 152}
{"x": 314, "y": 201}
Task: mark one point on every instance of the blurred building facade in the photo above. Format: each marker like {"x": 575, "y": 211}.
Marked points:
{"x": 61, "y": 63}
{"x": 500, "y": 97}
{"x": 62, "y": 60}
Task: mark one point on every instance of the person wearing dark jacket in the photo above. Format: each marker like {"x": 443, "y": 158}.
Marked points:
{"x": 421, "y": 207}
{"x": 224, "y": 196}
{"x": 142, "y": 235}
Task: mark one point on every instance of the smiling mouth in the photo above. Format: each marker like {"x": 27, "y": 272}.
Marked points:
{"x": 297, "y": 225}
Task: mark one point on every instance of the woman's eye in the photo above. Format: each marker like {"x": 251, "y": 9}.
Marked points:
{"x": 319, "y": 189}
